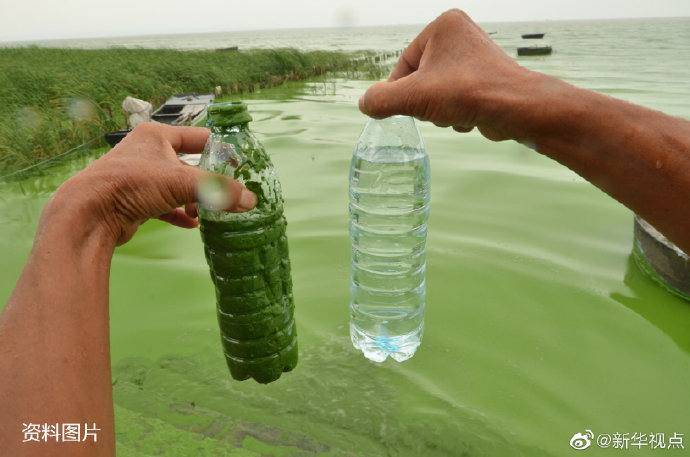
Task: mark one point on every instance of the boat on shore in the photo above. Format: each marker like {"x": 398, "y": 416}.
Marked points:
{"x": 115, "y": 137}
{"x": 534, "y": 51}
{"x": 180, "y": 109}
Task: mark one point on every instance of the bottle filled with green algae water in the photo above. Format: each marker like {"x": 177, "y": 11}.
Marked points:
{"x": 247, "y": 253}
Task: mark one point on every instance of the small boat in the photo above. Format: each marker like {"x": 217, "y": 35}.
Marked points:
{"x": 180, "y": 109}
{"x": 115, "y": 137}
{"x": 533, "y": 36}
{"x": 534, "y": 51}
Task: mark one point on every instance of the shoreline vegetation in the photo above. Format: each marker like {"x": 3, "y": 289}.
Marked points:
{"x": 53, "y": 100}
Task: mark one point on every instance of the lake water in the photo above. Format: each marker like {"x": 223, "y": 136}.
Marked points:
{"x": 538, "y": 323}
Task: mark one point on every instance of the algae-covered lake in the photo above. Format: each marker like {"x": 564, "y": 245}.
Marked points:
{"x": 538, "y": 323}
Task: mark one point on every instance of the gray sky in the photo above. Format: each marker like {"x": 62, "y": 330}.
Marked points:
{"x": 41, "y": 19}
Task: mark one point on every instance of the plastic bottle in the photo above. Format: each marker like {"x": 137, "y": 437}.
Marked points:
{"x": 247, "y": 253}
{"x": 389, "y": 208}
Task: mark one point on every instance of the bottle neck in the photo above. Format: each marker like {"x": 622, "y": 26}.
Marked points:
{"x": 225, "y": 129}
{"x": 228, "y": 116}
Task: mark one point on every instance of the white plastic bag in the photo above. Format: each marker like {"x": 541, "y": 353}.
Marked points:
{"x": 138, "y": 111}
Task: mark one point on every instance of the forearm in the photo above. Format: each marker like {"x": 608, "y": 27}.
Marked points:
{"x": 54, "y": 338}
{"x": 639, "y": 156}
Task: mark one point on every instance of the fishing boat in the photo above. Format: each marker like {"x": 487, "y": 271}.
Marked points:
{"x": 534, "y": 51}
{"x": 180, "y": 109}
{"x": 532, "y": 36}
{"x": 115, "y": 137}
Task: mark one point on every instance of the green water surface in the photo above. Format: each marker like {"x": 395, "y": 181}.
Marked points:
{"x": 538, "y": 323}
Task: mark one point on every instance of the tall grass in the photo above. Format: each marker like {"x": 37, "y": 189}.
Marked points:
{"x": 54, "y": 99}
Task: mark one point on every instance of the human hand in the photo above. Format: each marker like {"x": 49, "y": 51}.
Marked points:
{"x": 142, "y": 178}
{"x": 452, "y": 74}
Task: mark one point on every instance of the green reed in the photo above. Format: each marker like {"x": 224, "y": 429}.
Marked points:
{"x": 52, "y": 100}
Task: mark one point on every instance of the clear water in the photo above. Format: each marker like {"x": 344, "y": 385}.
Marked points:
{"x": 389, "y": 208}
{"x": 539, "y": 325}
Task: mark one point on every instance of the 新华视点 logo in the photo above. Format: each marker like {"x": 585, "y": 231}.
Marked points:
{"x": 581, "y": 441}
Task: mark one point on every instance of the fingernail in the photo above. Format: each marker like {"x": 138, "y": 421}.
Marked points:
{"x": 247, "y": 201}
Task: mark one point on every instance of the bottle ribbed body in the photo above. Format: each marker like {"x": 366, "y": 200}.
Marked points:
{"x": 389, "y": 208}
{"x": 247, "y": 254}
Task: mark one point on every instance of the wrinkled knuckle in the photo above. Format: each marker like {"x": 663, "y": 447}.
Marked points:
{"x": 183, "y": 178}
{"x": 413, "y": 99}
{"x": 180, "y": 172}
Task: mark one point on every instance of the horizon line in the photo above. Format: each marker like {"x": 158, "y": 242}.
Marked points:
{"x": 4, "y": 41}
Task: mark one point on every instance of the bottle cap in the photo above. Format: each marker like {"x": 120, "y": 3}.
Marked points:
{"x": 227, "y": 114}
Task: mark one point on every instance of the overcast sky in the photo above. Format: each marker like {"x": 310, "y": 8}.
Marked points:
{"x": 41, "y": 19}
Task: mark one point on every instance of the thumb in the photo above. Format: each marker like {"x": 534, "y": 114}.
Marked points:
{"x": 222, "y": 193}
{"x": 385, "y": 99}
{"x": 213, "y": 191}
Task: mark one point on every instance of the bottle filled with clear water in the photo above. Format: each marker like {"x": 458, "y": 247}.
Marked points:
{"x": 389, "y": 208}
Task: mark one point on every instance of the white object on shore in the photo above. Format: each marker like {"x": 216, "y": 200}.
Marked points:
{"x": 138, "y": 111}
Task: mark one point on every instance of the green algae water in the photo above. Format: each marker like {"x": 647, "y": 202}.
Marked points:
{"x": 539, "y": 325}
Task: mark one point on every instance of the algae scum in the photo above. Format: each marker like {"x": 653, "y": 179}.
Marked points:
{"x": 538, "y": 324}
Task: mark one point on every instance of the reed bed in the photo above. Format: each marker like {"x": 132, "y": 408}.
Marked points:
{"x": 52, "y": 100}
